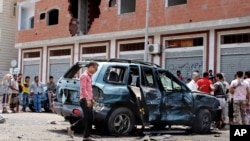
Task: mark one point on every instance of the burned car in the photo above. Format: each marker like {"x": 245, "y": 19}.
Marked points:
{"x": 130, "y": 93}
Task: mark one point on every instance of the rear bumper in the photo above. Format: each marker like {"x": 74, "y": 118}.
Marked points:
{"x": 65, "y": 110}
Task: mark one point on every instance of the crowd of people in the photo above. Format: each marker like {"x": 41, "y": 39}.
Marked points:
{"x": 234, "y": 96}
{"x": 17, "y": 92}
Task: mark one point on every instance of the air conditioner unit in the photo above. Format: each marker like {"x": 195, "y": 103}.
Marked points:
{"x": 154, "y": 49}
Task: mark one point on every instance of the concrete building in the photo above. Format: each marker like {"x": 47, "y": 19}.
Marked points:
{"x": 191, "y": 34}
{"x": 7, "y": 35}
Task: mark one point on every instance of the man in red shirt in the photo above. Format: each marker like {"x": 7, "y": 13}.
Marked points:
{"x": 205, "y": 85}
{"x": 86, "y": 102}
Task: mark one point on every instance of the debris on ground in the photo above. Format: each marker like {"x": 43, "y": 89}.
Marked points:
{"x": 52, "y": 122}
{"x": 158, "y": 138}
{"x": 2, "y": 119}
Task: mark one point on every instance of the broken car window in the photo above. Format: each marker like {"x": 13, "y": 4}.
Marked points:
{"x": 168, "y": 82}
{"x": 115, "y": 74}
{"x": 147, "y": 77}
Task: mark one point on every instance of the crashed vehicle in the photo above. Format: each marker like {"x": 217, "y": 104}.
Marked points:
{"x": 130, "y": 93}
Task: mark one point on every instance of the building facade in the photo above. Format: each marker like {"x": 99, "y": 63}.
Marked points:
{"x": 7, "y": 35}
{"x": 191, "y": 34}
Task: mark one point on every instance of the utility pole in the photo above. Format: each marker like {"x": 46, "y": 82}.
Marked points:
{"x": 146, "y": 33}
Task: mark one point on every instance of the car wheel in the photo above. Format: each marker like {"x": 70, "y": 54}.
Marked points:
{"x": 121, "y": 122}
{"x": 31, "y": 107}
{"x": 202, "y": 122}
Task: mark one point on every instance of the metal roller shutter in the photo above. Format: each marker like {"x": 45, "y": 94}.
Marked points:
{"x": 187, "y": 62}
{"x": 31, "y": 70}
{"x": 57, "y": 70}
{"x": 233, "y": 60}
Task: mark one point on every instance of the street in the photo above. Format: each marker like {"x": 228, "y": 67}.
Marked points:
{"x": 37, "y": 127}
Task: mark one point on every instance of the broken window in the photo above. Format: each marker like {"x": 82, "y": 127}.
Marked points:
{"x": 83, "y": 13}
{"x": 112, "y": 3}
{"x": 53, "y": 17}
{"x": 175, "y": 2}
{"x": 127, "y": 6}
{"x": 115, "y": 74}
{"x": 191, "y": 42}
{"x": 26, "y": 13}
{"x": 32, "y": 22}
{"x": 42, "y": 16}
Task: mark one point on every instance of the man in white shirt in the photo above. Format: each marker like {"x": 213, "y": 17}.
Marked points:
{"x": 14, "y": 101}
{"x": 240, "y": 90}
{"x": 36, "y": 89}
{"x": 192, "y": 84}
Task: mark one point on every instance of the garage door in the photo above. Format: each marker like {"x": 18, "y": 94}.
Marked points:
{"x": 58, "y": 67}
{"x": 233, "y": 60}
{"x": 187, "y": 62}
{"x": 31, "y": 70}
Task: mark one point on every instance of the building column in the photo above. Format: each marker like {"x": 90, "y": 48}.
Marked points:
{"x": 211, "y": 50}
{"x": 77, "y": 53}
{"x": 113, "y": 48}
{"x": 19, "y": 60}
{"x": 156, "y": 58}
{"x": 44, "y": 65}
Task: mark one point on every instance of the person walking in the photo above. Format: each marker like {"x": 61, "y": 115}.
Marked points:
{"x": 36, "y": 89}
{"x": 220, "y": 93}
{"x": 240, "y": 90}
{"x": 86, "y": 103}
{"x": 204, "y": 84}
{"x": 192, "y": 84}
{"x": 5, "y": 99}
{"x": 51, "y": 88}
{"x": 26, "y": 92}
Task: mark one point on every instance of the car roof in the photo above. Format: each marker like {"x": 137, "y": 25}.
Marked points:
{"x": 123, "y": 62}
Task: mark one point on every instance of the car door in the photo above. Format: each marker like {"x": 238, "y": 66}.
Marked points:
{"x": 177, "y": 100}
{"x": 151, "y": 95}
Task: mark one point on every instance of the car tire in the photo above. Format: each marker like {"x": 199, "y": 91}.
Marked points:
{"x": 202, "y": 122}
{"x": 121, "y": 122}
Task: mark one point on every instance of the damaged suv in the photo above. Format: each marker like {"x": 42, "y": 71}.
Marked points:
{"x": 130, "y": 93}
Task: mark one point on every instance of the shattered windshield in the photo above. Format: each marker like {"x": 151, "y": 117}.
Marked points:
{"x": 167, "y": 82}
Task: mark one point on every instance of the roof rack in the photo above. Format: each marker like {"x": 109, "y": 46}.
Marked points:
{"x": 133, "y": 61}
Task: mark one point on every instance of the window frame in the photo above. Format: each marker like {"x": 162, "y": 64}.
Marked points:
{"x": 144, "y": 77}
{"x": 108, "y": 70}
{"x": 120, "y": 7}
{"x": 167, "y": 3}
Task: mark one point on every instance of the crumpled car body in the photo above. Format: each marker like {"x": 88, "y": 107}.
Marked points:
{"x": 133, "y": 93}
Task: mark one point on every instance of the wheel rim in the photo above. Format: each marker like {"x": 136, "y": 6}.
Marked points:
{"x": 206, "y": 121}
{"x": 122, "y": 123}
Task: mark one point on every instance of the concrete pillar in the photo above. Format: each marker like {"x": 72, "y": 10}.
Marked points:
{"x": 76, "y": 53}
{"x": 44, "y": 65}
{"x": 113, "y": 48}
{"x": 157, "y": 40}
{"x": 211, "y": 50}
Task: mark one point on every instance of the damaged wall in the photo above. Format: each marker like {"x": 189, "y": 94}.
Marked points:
{"x": 104, "y": 18}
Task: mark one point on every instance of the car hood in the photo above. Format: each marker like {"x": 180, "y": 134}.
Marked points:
{"x": 205, "y": 100}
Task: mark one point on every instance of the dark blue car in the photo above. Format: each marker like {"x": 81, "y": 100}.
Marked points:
{"x": 130, "y": 93}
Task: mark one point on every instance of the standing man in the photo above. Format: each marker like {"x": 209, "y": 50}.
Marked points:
{"x": 14, "y": 101}
{"x": 205, "y": 85}
{"x": 26, "y": 92}
{"x": 178, "y": 73}
{"x": 86, "y": 102}
{"x": 36, "y": 89}
{"x": 192, "y": 84}
{"x": 220, "y": 92}
{"x": 51, "y": 87}
{"x": 20, "y": 88}
{"x": 240, "y": 90}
